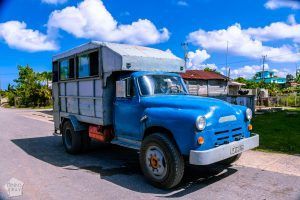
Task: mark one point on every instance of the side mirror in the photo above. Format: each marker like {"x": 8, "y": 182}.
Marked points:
{"x": 121, "y": 88}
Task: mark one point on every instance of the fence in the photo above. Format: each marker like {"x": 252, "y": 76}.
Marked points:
{"x": 244, "y": 100}
{"x": 288, "y": 100}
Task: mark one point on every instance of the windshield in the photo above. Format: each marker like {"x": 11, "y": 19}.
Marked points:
{"x": 161, "y": 84}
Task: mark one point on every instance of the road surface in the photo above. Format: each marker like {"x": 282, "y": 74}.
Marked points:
{"x": 32, "y": 155}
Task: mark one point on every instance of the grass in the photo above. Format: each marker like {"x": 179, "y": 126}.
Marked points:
{"x": 278, "y": 131}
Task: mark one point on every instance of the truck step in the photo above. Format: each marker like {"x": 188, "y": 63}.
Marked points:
{"x": 132, "y": 144}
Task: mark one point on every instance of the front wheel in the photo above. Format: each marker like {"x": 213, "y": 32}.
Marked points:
{"x": 161, "y": 162}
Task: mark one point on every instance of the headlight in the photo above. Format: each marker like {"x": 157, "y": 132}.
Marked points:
{"x": 248, "y": 114}
{"x": 200, "y": 123}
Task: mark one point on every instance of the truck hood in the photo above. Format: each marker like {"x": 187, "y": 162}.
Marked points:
{"x": 196, "y": 103}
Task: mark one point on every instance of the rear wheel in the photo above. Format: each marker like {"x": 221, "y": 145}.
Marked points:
{"x": 71, "y": 139}
{"x": 161, "y": 162}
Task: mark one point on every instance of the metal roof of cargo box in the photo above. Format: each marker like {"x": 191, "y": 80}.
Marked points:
{"x": 119, "y": 57}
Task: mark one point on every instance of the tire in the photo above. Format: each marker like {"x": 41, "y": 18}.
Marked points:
{"x": 230, "y": 160}
{"x": 161, "y": 162}
{"x": 71, "y": 139}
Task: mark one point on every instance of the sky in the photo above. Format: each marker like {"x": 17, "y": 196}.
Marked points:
{"x": 32, "y": 31}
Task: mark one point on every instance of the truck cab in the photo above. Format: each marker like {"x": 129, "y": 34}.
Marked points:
{"x": 151, "y": 111}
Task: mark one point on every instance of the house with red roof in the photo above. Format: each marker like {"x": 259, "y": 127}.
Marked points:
{"x": 205, "y": 83}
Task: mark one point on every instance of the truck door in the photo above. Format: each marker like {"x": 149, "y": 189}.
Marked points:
{"x": 127, "y": 110}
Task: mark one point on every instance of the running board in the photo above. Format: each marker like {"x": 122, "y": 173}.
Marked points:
{"x": 132, "y": 144}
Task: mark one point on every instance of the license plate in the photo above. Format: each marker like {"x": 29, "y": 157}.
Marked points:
{"x": 236, "y": 149}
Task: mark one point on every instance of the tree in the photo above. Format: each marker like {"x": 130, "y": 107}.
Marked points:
{"x": 249, "y": 84}
{"x": 207, "y": 69}
{"x": 30, "y": 88}
{"x": 241, "y": 80}
{"x": 45, "y": 76}
{"x": 297, "y": 79}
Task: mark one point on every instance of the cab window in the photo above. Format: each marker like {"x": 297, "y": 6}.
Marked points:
{"x": 66, "y": 68}
{"x": 88, "y": 65}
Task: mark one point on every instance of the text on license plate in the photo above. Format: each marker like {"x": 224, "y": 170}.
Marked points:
{"x": 236, "y": 149}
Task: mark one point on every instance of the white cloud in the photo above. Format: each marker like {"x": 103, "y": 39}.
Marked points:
{"x": 54, "y": 1}
{"x": 247, "y": 71}
{"x": 277, "y": 31}
{"x": 245, "y": 42}
{"x": 17, "y": 36}
{"x": 203, "y": 66}
{"x": 169, "y": 51}
{"x": 91, "y": 20}
{"x": 275, "y": 4}
{"x": 282, "y": 72}
{"x": 196, "y": 58}
{"x": 182, "y": 3}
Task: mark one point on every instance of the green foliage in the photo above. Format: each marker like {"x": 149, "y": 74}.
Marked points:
{"x": 273, "y": 88}
{"x": 207, "y": 69}
{"x": 297, "y": 78}
{"x": 31, "y": 88}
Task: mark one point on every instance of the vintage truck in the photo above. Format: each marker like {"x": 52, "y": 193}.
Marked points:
{"x": 133, "y": 96}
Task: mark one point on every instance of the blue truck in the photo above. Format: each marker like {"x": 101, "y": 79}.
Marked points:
{"x": 134, "y": 96}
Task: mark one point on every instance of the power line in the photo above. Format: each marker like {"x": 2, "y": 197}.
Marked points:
{"x": 252, "y": 60}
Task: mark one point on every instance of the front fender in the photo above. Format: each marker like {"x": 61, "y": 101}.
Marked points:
{"x": 180, "y": 122}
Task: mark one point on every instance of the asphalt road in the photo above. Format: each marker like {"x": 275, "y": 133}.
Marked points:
{"x": 31, "y": 154}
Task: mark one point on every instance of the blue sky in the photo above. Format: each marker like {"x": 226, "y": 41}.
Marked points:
{"x": 32, "y": 32}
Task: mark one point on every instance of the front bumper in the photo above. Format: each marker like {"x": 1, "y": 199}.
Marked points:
{"x": 224, "y": 151}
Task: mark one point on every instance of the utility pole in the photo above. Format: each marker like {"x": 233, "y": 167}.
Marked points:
{"x": 263, "y": 65}
{"x": 185, "y": 47}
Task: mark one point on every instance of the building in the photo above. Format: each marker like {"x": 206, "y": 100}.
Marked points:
{"x": 205, "y": 83}
{"x": 234, "y": 88}
{"x": 268, "y": 77}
